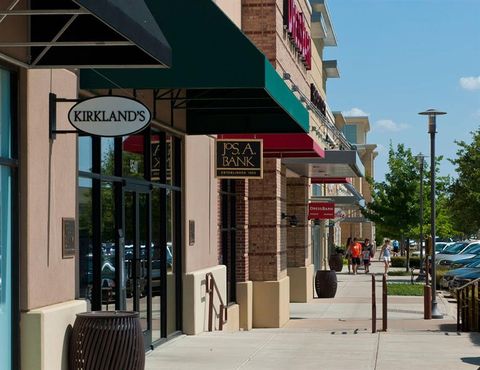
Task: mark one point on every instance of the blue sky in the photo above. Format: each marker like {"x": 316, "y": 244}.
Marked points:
{"x": 399, "y": 57}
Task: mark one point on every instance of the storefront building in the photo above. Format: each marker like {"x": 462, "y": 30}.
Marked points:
{"x": 41, "y": 45}
{"x": 8, "y": 214}
{"x": 139, "y": 221}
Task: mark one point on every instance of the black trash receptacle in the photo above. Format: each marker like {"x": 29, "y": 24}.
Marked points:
{"x": 107, "y": 340}
{"x": 326, "y": 283}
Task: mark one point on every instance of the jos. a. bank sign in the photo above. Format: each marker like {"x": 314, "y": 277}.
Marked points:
{"x": 296, "y": 26}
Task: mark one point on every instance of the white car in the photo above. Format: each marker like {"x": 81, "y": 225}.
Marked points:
{"x": 447, "y": 257}
{"x": 439, "y": 247}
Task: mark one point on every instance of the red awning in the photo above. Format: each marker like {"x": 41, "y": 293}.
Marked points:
{"x": 331, "y": 180}
{"x": 284, "y": 145}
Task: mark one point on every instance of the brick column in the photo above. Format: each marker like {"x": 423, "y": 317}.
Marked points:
{"x": 267, "y": 231}
{"x": 241, "y": 189}
{"x": 299, "y": 241}
{"x": 267, "y": 242}
{"x": 298, "y": 238}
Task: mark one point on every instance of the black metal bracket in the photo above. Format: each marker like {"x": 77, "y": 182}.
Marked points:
{"x": 52, "y": 118}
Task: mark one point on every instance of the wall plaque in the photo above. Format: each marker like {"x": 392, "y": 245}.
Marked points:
{"x": 68, "y": 238}
{"x": 239, "y": 159}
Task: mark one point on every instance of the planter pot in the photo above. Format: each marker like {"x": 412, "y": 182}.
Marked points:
{"x": 326, "y": 283}
{"x": 107, "y": 340}
{"x": 336, "y": 262}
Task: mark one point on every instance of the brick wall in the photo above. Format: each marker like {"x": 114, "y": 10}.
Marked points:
{"x": 259, "y": 24}
{"x": 241, "y": 188}
{"x": 267, "y": 232}
{"x": 262, "y": 22}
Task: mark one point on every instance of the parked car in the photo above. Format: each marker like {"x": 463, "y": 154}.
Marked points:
{"x": 439, "y": 247}
{"x": 447, "y": 279}
{"x": 463, "y": 263}
{"x": 461, "y": 280}
{"x": 470, "y": 251}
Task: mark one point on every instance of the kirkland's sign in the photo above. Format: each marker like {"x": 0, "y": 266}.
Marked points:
{"x": 109, "y": 116}
{"x": 321, "y": 211}
{"x": 239, "y": 159}
{"x": 295, "y": 24}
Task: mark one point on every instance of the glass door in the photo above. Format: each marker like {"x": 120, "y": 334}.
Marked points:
{"x": 137, "y": 256}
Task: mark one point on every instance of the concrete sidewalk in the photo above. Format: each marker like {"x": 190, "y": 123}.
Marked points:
{"x": 334, "y": 334}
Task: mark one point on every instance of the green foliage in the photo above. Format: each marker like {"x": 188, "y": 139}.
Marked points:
{"x": 404, "y": 289}
{"x": 465, "y": 190}
{"x": 402, "y": 262}
{"x": 399, "y": 273}
{"x": 395, "y": 206}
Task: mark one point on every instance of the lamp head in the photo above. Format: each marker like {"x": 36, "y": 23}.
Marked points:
{"x": 432, "y": 112}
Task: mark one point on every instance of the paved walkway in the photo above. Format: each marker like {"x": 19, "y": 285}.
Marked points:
{"x": 334, "y": 334}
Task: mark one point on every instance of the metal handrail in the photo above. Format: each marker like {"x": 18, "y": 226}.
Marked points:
{"x": 211, "y": 287}
{"x": 468, "y": 306}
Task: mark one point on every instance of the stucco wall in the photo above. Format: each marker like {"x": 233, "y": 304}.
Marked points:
{"x": 233, "y": 9}
{"x": 48, "y": 187}
{"x": 201, "y": 197}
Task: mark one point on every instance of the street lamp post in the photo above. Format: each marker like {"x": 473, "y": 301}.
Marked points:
{"x": 432, "y": 129}
{"x": 421, "y": 159}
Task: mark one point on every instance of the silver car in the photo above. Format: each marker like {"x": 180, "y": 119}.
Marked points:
{"x": 447, "y": 257}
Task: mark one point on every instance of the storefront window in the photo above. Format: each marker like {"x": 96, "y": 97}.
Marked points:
{"x": 108, "y": 246}
{"x": 85, "y": 153}
{"x": 107, "y": 156}
{"x": 133, "y": 160}
{"x": 140, "y": 212}
{"x": 6, "y": 313}
{"x": 85, "y": 236}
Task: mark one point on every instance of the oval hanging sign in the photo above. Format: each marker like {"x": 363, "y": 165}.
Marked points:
{"x": 109, "y": 116}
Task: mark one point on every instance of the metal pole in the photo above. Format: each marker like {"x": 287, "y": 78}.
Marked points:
{"x": 432, "y": 128}
{"x": 421, "y": 275}
{"x": 384, "y": 302}
{"x": 374, "y": 306}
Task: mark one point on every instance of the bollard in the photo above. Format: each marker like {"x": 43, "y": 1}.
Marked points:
{"x": 427, "y": 302}
{"x": 374, "y": 306}
{"x": 384, "y": 302}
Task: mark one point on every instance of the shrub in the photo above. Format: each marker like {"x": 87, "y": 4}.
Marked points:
{"x": 402, "y": 262}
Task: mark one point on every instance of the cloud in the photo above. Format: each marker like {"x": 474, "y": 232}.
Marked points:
{"x": 470, "y": 83}
{"x": 355, "y": 112}
{"x": 390, "y": 126}
{"x": 381, "y": 148}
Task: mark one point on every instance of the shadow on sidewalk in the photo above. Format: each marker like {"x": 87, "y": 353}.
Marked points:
{"x": 475, "y": 338}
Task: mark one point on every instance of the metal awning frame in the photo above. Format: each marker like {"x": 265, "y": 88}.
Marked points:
{"x": 47, "y": 45}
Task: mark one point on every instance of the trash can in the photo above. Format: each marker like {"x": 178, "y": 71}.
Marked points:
{"x": 326, "y": 283}
{"x": 107, "y": 340}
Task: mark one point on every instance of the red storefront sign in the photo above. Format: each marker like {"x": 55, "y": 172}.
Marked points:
{"x": 321, "y": 211}
{"x": 295, "y": 24}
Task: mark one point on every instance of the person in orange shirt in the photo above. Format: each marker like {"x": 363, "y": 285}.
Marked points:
{"x": 356, "y": 251}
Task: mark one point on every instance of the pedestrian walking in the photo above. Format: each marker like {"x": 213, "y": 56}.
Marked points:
{"x": 366, "y": 255}
{"x": 348, "y": 253}
{"x": 386, "y": 254}
{"x": 356, "y": 252}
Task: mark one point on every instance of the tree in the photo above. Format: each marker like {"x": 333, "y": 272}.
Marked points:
{"x": 465, "y": 190}
{"x": 395, "y": 207}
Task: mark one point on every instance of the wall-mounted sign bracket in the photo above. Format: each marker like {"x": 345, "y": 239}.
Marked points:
{"x": 52, "y": 118}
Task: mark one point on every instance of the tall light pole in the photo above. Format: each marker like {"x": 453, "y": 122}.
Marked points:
{"x": 421, "y": 158}
{"x": 432, "y": 130}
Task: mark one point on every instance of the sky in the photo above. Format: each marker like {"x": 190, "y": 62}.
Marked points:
{"x": 400, "y": 57}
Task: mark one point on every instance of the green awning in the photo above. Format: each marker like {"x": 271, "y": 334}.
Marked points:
{"x": 231, "y": 86}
